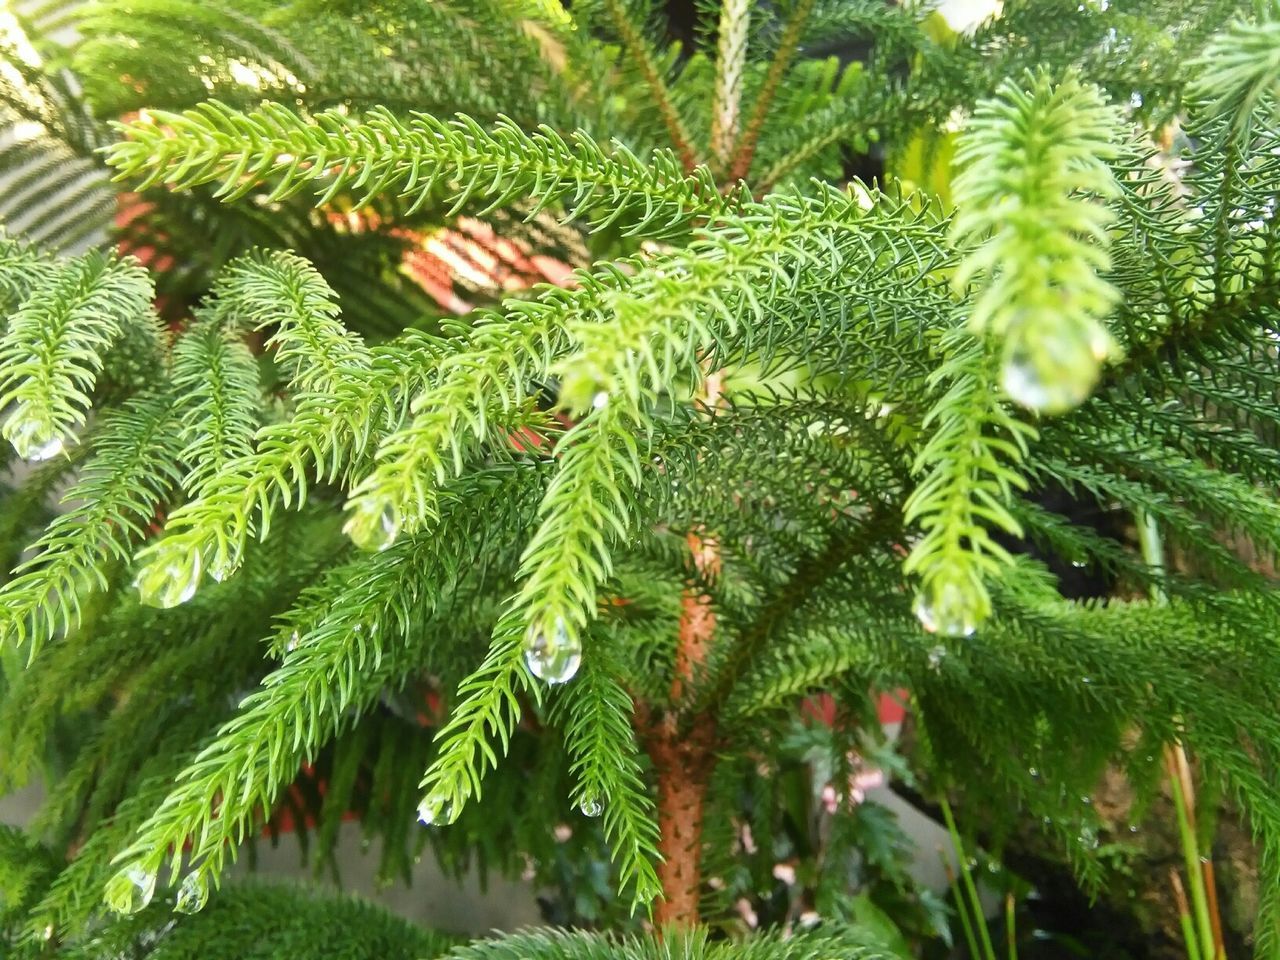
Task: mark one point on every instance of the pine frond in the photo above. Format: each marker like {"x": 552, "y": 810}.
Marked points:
{"x": 216, "y": 379}
{"x": 423, "y": 159}
{"x": 51, "y": 352}
{"x": 327, "y": 437}
{"x": 263, "y": 921}
{"x": 356, "y": 633}
{"x": 21, "y": 266}
{"x": 284, "y": 292}
{"x": 972, "y": 458}
{"x": 488, "y": 709}
{"x": 731, "y": 61}
{"x": 1239, "y": 70}
{"x": 845, "y": 942}
{"x": 626, "y": 17}
{"x": 1032, "y": 165}
{"x": 110, "y": 507}
{"x": 595, "y": 712}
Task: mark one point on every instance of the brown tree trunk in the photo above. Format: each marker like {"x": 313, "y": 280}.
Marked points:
{"x": 683, "y": 765}
{"x": 683, "y": 760}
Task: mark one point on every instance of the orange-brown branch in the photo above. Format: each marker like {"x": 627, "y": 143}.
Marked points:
{"x": 683, "y": 759}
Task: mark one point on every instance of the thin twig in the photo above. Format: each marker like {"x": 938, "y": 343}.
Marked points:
{"x": 635, "y": 45}
{"x": 961, "y": 909}
{"x": 745, "y": 149}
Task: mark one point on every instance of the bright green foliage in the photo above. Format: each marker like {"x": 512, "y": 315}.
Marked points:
{"x": 586, "y": 946}
{"x": 53, "y": 347}
{"x": 419, "y": 161}
{"x": 326, "y": 552}
{"x": 258, "y": 921}
{"x": 1031, "y": 165}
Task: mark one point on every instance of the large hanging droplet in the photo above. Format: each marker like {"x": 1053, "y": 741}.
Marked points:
{"x": 170, "y": 579}
{"x": 591, "y": 807}
{"x": 193, "y": 893}
{"x": 130, "y": 890}
{"x": 1056, "y": 371}
{"x": 34, "y": 437}
{"x": 373, "y": 524}
{"x": 552, "y": 657}
{"x": 437, "y": 812}
{"x": 947, "y": 614}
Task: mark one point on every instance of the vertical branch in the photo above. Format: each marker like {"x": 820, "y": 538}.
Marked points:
{"x": 744, "y": 150}
{"x": 635, "y": 45}
{"x": 731, "y": 61}
{"x": 1202, "y": 922}
{"x": 684, "y": 760}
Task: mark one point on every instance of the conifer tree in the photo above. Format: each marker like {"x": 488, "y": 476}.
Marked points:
{"x": 293, "y": 538}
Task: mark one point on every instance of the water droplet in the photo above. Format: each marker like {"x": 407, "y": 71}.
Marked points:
{"x": 591, "y": 807}
{"x": 936, "y": 656}
{"x": 552, "y": 658}
{"x": 131, "y": 889}
{"x": 224, "y": 565}
{"x": 1054, "y": 377}
{"x": 437, "y": 812}
{"x": 600, "y": 400}
{"x": 1133, "y": 828}
{"x": 1086, "y": 800}
{"x": 1088, "y": 838}
{"x": 34, "y": 437}
{"x": 170, "y": 579}
{"x": 1033, "y": 773}
{"x": 1086, "y": 680}
{"x": 48, "y": 932}
{"x": 948, "y": 613}
{"x": 293, "y": 642}
{"x": 993, "y": 867}
{"x": 373, "y": 524}
{"x": 193, "y": 894}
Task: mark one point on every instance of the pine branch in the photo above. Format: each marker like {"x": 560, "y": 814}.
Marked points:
{"x": 489, "y": 709}
{"x": 21, "y": 267}
{"x": 731, "y": 63}
{"x": 1239, "y": 70}
{"x": 420, "y": 160}
{"x": 744, "y": 147}
{"x": 329, "y": 433}
{"x": 810, "y": 575}
{"x": 638, "y": 49}
{"x": 216, "y": 378}
{"x": 358, "y": 631}
{"x": 972, "y": 458}
{"x": 257, "y": 920}
{"x": 283, "y": 291}
{"x": 115, "y": 500}
{"x": 846, "y": 942}
{"x": 51, "y": 352}
{"x": 595, "y": 713}
{"x": 1029, "y": 162}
